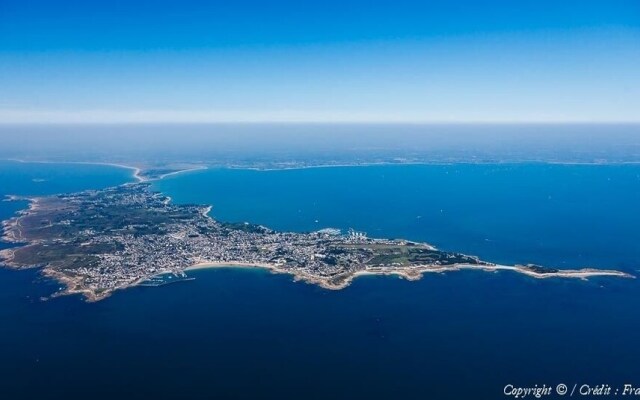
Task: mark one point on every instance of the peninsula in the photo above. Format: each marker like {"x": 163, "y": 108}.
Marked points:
{"x": 99, "y": 241}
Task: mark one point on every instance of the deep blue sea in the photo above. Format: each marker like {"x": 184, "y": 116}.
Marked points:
{"x": 237, "y": 333}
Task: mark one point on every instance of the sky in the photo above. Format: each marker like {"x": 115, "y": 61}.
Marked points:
{"x": 319, "y": 61}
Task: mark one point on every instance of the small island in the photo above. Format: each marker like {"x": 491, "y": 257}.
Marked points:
{"x": 98, "y": 241}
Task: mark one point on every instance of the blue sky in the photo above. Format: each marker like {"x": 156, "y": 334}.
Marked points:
{"x": 330, "y": 61}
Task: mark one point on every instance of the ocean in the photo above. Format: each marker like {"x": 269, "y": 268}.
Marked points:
{"x": 244, "y": 333}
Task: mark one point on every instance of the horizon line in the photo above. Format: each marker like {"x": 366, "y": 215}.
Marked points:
{"x": 322, "y": 122}
{"x": 282, "y": 116}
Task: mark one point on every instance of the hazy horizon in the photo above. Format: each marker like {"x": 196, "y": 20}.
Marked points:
{"x": 248, "y": 144}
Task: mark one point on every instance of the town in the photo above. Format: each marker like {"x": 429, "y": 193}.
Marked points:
{"x": 99, "y": 241}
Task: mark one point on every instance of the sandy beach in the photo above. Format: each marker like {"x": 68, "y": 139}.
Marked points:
{"x": 232, "y": 264}
{"x": 409, "y": 273}
{"x": 182, "y": 171}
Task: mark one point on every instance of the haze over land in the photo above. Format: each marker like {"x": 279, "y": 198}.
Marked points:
{"x": 290, "y": 145}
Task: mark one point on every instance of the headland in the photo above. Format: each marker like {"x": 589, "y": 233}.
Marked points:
{"x": 98, "y": 241}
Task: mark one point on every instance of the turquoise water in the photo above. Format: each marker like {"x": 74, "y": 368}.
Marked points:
{"x": 558, "y": 215}
{"x": 236, "y": 333}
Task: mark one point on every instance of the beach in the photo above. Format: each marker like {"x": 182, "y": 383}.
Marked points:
{"x": 413, "y": 273}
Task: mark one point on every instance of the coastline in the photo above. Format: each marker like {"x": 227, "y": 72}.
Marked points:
{"x": 74, "y": 285}
{"x": 337, "y": 282}
{"x": 426, "y": 163}
{"x": 182, "y": 171}
{"x": 137, "y": 171}
{"x": 414, "y": 273}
